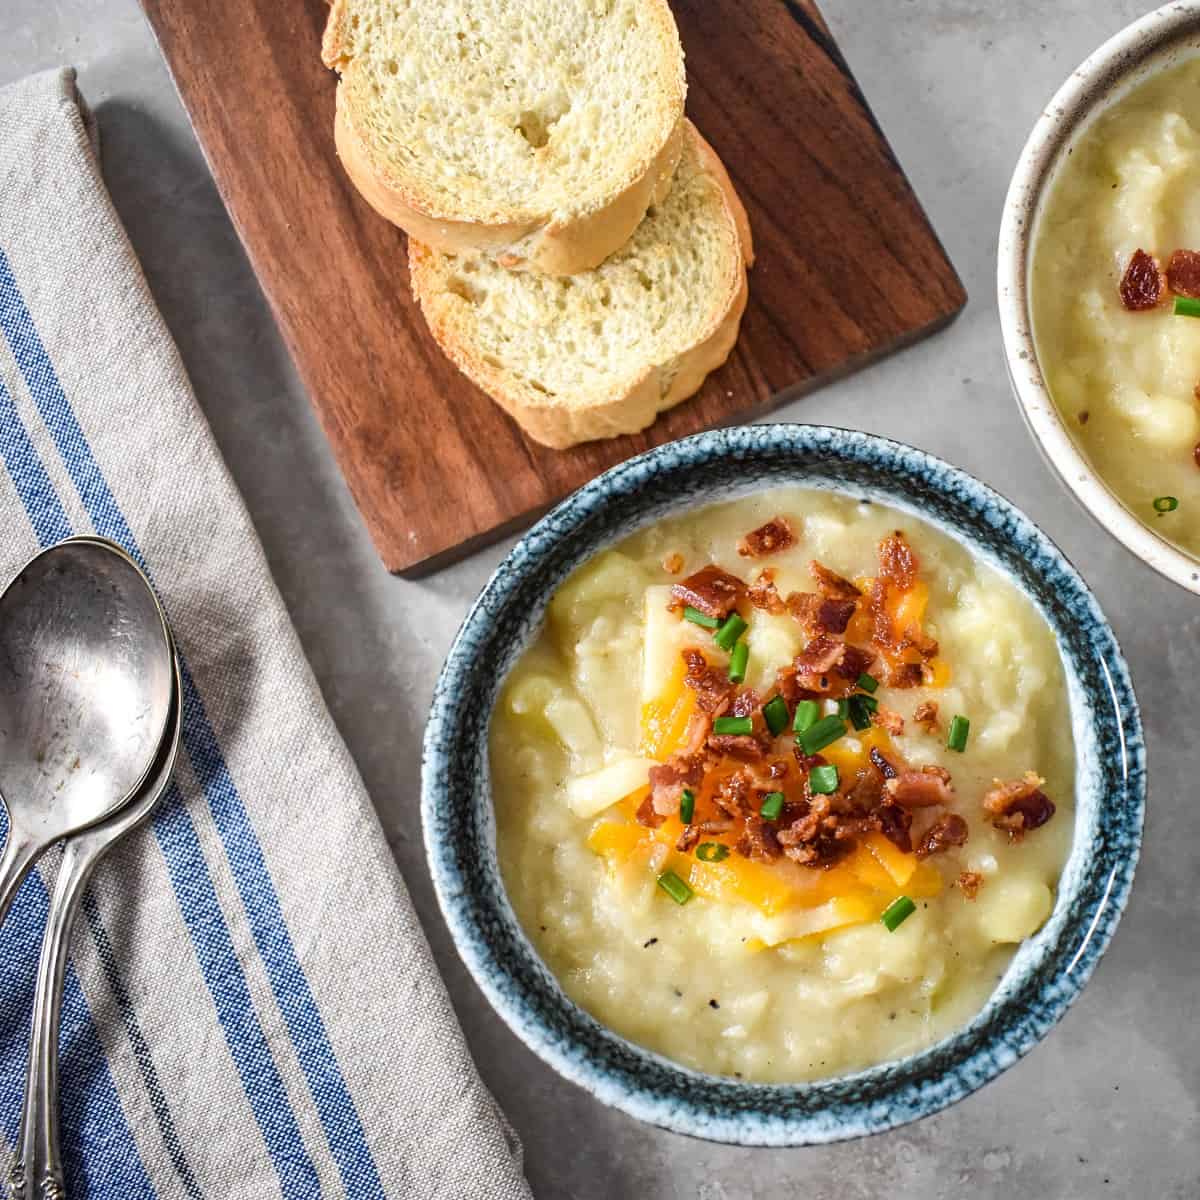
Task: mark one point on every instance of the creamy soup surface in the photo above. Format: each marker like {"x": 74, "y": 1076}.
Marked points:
{"x": 771, "y": 962}
{"x": 1126, "y": 382}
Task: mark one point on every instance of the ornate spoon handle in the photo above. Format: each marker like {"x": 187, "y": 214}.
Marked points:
{"x": 37, "y": 1171}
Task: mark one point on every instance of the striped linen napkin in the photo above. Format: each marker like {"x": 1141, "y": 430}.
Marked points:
{"x": 252, "y": 1009}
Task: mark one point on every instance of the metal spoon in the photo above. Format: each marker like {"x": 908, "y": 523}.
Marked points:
{"x": 85, "y": 690}
{"x": 37, "y": 1166}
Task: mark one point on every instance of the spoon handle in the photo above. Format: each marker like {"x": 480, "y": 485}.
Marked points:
{"x": 38, "y": 1168}
{"x": 20, "y": 851}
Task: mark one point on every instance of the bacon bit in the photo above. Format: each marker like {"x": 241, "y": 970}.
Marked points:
{"x": 735, "y": 794}
{"x": 793, "y": 686}
{"x": 742, "y": 746}
{"x": 693, "y": 833}
{"x": 822, "y": 654}
{"x": 881, "y": 621}
{"x": 926, "y": 715}
{"x": 866, "y": 793}
{"x": 834, "y": 615}
{"x": 948, "y": 830}
{"x": 647, "y": 815}
{"x": 777, "y": 769}
{"x": 895, "y": 823}
{"x": 712, "y": 687}
{"x": 713, "y": 591}
{"x": 745, "y": 703}
{"x": 856, "y": 661}
{"x": 831, "y": 584}
{"x": 763, "y": 593}
{"x": 881, "y": 764}
{"x": 1183, "y": 273}
{"x": 906, "y": 675}
{"x": 897, "y": 562}
{"x": 667, "y": 781}
{"x": 1019, "y": 805}
{"x": 809, "y": 839}
{"x": 772, "y": 538}
{"x": 920, "y": 789}
{"x": 888, "y": 720}
{"x": 922, "y": 643}
{"x": 969, "y": 883}
{"x": 803, "y": 606}
{"x": 1142, "y": 285}
{"x": 673, "y": 563}
{"x": 758, "y": 841}
{"x": 821, "y": 614}
{"x": 806, "y": 762}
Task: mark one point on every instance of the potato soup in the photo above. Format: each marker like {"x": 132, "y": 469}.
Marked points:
{"x": 782, "y": 783}
{"x": 1117, "y": 253}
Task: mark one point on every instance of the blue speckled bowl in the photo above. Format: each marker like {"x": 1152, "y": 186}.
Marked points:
{"x": 1049, "y": 969}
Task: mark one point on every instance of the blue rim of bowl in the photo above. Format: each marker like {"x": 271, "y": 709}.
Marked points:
{"x": 1050, "y": 968}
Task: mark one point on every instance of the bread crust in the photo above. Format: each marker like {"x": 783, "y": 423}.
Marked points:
{"x": 554, "y": 244}
{"x": 657, "y": 387}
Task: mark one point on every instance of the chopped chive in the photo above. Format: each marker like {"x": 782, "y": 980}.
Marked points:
{"x": 772, "y": 806}
{"x": 823, "y": 780}
{"x": 959, "y": 728}
{"x": 738, "y": 662}
{"x": 843, "y": 708}
{"x": 712, "y": 851}
{"x": 826, "y": 730}
{"x": 775, "y": 713}
{"x": 726, "y": 637}
{"x": 807, "y": 712}
{"x": 1164, "y": 504}
{"x": 897, "y": 913}
{"x": 1185, "y": 306}
{"x": 687, "y": 805}
{"x": 868, "y": 683}
{"x": 860, "y": 711}
{"x": 675, "y": 887}
{"x": 733, "y": 725}
{"x": 698, "y": 618}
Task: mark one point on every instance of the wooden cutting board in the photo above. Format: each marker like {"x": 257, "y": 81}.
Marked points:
{"x": 848, "y": 266}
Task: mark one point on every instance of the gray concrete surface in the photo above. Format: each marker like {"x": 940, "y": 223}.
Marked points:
{"x": 1108, "y": 1105}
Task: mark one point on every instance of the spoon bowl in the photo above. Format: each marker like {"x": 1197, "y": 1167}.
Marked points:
{"x": 85, "y": 694}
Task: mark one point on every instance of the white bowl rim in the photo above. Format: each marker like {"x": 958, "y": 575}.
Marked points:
{"x": 1087, "y": 90}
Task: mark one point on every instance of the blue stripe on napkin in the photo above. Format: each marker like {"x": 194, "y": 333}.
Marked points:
{"x": 29, "y": 477}
{"x": 141, "y": 1049}
{"x": 248, "y": 1046}
{"x": 100, "y": 1157}
{"x": 335, "y": 1107}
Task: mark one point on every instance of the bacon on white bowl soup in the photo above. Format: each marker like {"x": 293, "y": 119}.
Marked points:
{"x": 782, "y": 783}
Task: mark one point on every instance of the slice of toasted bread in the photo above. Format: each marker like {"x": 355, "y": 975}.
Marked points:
{"x": 537, "y": 131}
{"x": 602, "y": 352}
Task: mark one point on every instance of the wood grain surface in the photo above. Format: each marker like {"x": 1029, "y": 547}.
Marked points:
{"x": 848, "y": 266}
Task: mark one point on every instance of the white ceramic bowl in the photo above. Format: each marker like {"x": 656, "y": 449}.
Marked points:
{"x": 1154, "y": 43}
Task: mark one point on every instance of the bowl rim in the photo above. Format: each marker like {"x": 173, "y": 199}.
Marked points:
{"x": 1086, "y": 92}
{"x": 641, "y": 1082}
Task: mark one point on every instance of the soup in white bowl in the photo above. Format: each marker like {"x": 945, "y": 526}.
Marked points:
{"x": 1115, "y": 299}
